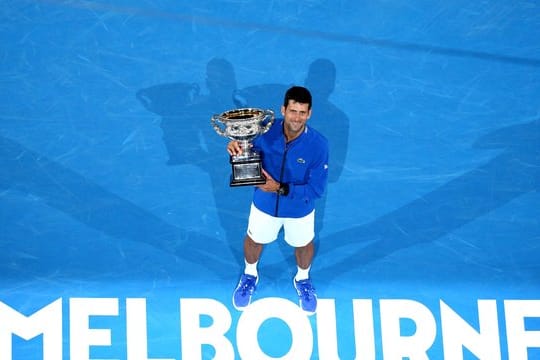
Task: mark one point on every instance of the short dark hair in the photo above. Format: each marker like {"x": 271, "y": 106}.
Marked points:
{"x": 297, "y": 94}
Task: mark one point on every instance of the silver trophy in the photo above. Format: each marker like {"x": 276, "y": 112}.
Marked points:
{"x": 244, "y": 125}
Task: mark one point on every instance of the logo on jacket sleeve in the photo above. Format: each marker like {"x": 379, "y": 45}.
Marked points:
{"x": 300, "y": 161}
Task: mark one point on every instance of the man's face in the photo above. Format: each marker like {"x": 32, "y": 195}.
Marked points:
{"x": 295, "y": 115}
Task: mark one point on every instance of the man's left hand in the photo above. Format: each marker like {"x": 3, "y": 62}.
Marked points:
{"x": 270, "y": 185}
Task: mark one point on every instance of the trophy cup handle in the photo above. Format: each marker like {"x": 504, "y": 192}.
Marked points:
{"x": 269, "y": 119}
{"x": 216, "y": 124}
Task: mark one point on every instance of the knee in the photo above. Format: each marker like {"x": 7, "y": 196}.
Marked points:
{"x": 250, "y": 242}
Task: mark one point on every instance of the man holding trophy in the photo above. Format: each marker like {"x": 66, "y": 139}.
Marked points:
{"x": 292, "y": 174}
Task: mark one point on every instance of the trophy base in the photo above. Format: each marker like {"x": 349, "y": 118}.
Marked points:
{"x": 246, "y": 182}
{"x": 247, "y": 172}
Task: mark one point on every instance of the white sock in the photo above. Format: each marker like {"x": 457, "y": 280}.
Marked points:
{"x": 251, "y": 269}
{"x": 302, "y": 274}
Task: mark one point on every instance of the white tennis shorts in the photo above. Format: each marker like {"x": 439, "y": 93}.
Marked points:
{"x": 264, "y": 228}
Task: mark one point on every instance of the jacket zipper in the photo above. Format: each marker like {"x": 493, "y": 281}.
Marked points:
{"x": 282, "y": 171}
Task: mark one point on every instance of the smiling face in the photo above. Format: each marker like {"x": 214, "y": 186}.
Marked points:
{"x": 295, "y": 116}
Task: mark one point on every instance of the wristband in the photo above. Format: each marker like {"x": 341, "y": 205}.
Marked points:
{"x": 283, "y": 189}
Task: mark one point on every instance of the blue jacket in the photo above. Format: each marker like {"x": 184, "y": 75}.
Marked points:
{"x": 301, "y": 163}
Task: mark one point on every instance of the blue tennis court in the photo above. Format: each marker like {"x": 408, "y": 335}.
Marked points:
{"x": 120, "y": 237}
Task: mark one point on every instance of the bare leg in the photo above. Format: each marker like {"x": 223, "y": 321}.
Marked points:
{"x": 252, "y": 250}
{"x": 304, "y": 255}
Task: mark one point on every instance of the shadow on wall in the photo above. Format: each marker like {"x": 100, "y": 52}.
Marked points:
{"x": 190, "y": 139}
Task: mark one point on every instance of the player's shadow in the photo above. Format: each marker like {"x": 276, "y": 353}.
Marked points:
{"x": 33, "y": 250}
{"x": 513, "y": 172}
{"x": 191, "y": 140}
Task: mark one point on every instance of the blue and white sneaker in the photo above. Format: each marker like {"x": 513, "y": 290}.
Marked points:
{"x": 243, "y": 292}
{"x": 307, "y": 296}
